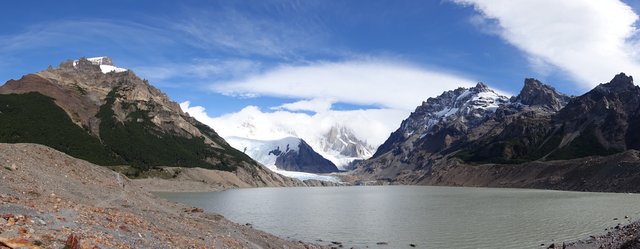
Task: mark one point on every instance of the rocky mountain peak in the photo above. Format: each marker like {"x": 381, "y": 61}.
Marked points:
{"x": 481, "y": 87}
{"x": 459, "y": 109}
{"x": 620, "y": 82}
{"x": 535, "y": 93}
{"x": 622, "y": 79}
{"x": 342, "y": 140}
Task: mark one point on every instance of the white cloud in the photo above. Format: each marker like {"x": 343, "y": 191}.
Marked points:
{"x": 394, "y": 85}
{"x": 372, "y": 125}
{"x": 314, "y": 105}
{"x": 590, "y": 40}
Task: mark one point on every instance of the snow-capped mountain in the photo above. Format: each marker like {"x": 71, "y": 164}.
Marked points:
{"x": 341, "y": 146}
{"x": 290, "y": 154}
{"x": 333, "y": 141}
{"x": 457, "y": 110}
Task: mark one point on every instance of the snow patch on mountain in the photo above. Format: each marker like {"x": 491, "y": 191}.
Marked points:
{"x": 463, "y": 103}
{"x": 105, "y": 63}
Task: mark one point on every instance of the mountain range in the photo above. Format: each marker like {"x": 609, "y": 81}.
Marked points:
{"x": 476, "y": 137}
{"x": 335, "y": 142}
{"x": 540, "y": 138}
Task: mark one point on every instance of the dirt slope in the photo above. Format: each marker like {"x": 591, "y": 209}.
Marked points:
{"x": 46, "y": 196}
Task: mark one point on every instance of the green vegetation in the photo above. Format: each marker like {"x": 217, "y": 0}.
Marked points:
{"x": 141, "y": 145}
{"x": 35, "y": 118}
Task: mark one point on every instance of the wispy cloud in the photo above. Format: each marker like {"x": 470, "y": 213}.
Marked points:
{"x": 202, "y": 69}
{"x": 590, "y": 40}
{"x": 250, "y": 34}
{"x": 372, "y": 82}
{"x": 70, "y": 34}
{"x": 314, "y": 105}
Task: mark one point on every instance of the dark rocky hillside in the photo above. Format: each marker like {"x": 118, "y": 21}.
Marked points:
{"x": 539, "y": 138}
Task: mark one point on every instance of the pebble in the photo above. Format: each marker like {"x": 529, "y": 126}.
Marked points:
{"x": 39, "y": 221}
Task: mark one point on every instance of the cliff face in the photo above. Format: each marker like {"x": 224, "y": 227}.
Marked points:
{"x": 512, "y": 139}
{"x": 120, "y": 116}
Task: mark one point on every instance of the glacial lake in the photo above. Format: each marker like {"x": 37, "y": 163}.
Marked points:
{"x": 429, "y": 217}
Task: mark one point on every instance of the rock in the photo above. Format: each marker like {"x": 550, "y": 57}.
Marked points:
{"x": 412, "y": 245}
{"x": 8, "y": 216}
{"x": 535, "y": 93}
{"x": 551, "y": 246}
{"x": 17, "y": 243}
{"x": 615, "y": 218}
{"x": 73, "y": 242}
{"x": 12, "y": 167}
{"x": 124, "y": 228}
{"x": 11, "y": 221}
{"x": 197, "y": 210}
{"x": 382, "y": 243}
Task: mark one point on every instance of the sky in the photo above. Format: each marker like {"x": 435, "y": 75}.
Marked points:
{"x": 291, "y": 67}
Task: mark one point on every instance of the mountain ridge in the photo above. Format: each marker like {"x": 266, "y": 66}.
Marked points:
{"x": 539, "y": 126}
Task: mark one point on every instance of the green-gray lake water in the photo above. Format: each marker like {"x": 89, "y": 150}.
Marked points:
{"x": 429, "y": 217}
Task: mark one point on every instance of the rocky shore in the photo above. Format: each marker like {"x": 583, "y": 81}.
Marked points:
{"x": 620, "y": 236}
{"x": 51, "y": 200}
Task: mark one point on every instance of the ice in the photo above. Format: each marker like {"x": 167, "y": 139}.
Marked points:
{"x": 259, "y": 149}
{"x": 307, "y": 176}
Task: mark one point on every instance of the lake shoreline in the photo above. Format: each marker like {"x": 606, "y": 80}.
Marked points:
{"x": 478, "y": 195}
{"x": 612, "y": 237}
{"x": 64, "y": 196}
{"x": 50, "y": 200}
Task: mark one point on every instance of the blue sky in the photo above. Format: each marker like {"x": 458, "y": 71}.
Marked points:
{"x": 316, "y": 57}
